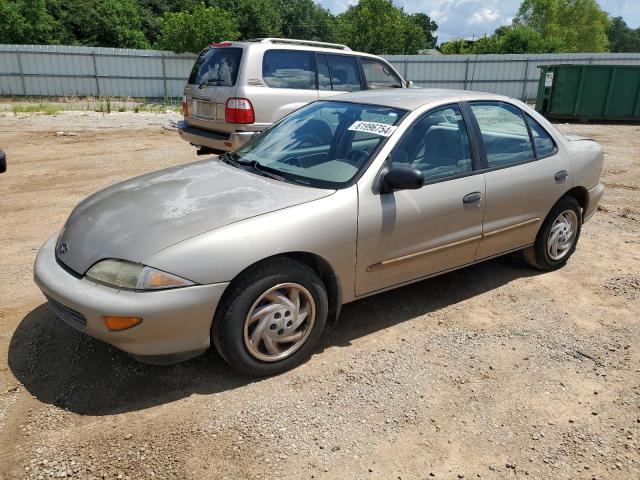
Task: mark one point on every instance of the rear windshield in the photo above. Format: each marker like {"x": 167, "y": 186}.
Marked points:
{"x": 217, "y": 66}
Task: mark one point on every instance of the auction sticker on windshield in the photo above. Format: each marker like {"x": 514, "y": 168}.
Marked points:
{"x": 373, "y": 127}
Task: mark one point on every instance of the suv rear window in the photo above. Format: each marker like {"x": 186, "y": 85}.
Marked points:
{"x": 216, "y": 66}
{"x": 289, "y": 69}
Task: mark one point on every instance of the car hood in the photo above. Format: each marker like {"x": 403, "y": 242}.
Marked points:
{"x": 136, "y": 218}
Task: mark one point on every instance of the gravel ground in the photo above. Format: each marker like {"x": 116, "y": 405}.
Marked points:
{"x": 494, "y": 371}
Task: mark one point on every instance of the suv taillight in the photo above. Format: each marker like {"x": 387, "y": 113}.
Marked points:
{"x": 185, "y": 106}
{"x": 239, "y": 110}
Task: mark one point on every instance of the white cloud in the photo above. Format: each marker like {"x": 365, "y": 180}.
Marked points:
{"x": 486, "y": 15}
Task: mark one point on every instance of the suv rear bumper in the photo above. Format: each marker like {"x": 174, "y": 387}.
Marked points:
{"x": 219, "y": 142}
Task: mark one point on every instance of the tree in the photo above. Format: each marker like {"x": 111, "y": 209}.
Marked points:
{"x": 622, "y": 38}
{"x": 304, "y": 19}
{"x": 377, "y": 26}
{"x": 428, "y": 27}
{"x": 28, "y": 22}
{"x": 254, "y": 18}
{"x": 580, "y": 25}
{"x": 506, "y": 39}
{"x": 192, "y": 31}
{"x": 105, "y": 23}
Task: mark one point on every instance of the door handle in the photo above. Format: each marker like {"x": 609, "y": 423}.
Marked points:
{"x": 561, "y": 176}
{"x": 473, "y": 197}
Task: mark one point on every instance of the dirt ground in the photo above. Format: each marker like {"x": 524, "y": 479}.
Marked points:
{"x": 494, "y": 371}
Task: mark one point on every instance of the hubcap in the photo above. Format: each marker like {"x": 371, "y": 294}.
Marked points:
{"x": 279, "y": 322}
{"x": 562, "y": 235}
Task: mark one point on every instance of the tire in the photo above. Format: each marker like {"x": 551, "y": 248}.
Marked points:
{"x": 540, "y": 255}
{"x": 255, "y": 291}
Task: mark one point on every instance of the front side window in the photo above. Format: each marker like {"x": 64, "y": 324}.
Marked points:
{"x": 289, "y": 69}
{"x": 437, "y": 144}
{"x": 504, "y": 133}
{"x": 345, "y": 73}
{"x": 217, "y": 67}
{"x": 324, "y": 144}
{"x": 542, "y": 141}
{"x": 379, "y": 75}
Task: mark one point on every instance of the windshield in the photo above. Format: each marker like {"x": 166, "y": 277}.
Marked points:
{"x": 216, "y": 66}
{"x": 324, "y": 144}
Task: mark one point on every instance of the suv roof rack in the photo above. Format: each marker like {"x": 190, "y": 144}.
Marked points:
{"x": 292, "y": 41}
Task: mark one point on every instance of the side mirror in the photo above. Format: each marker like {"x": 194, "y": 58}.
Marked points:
{"x": 409, "y": 83}
{"x": 402, "y": 178}
{"x": 3, "y": 162}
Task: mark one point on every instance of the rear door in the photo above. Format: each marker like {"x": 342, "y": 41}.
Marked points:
{"x": 525, "y": 175}
{"x": 213, "y": 80}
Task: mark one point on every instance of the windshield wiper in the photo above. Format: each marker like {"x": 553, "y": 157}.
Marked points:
{"x": 254, "y": 164}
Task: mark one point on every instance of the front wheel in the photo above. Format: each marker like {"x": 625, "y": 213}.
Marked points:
{"x": 557, "y": 239}
{"x": 271, "y": 318}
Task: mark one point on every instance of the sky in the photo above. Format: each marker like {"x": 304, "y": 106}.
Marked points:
{"x": 474, "y": 18}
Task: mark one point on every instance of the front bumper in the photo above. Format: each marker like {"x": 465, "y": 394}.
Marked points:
{"x": 219, "y": 142}
{"x": 176, "y": 323}
{"x": 594, "y": 196}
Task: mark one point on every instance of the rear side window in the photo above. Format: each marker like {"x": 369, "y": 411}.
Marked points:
{"x": 542, "y": 141}
{"x": 504, "y": 133}
{"x": 379, "y": 75}
{"x": 289, "y": 69}
{"x": 217, "y": 66}
{"x": 345, "y": 73}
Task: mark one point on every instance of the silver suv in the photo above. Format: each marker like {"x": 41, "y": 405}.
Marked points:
{"x": 237, "y": 89}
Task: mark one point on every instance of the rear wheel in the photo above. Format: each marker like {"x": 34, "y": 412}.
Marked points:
{"x": 557, "y": 239}
{"x": 271, "y": 318}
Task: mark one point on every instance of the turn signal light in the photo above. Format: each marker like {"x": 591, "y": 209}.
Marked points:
{"x": 120, "y": 323}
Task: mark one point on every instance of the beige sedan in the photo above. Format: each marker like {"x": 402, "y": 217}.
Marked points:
{"x": 254, "y": 250}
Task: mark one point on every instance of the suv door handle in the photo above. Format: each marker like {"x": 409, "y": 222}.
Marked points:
{"x": 561, "y": 176}
{"x": 473, "y": 197}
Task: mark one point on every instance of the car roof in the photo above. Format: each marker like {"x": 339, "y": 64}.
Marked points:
{"x": 413, "y": 98}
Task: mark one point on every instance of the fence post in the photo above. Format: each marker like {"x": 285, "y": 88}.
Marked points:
{"x": 524, "y": 81}
{"x": 466, "y": 73}
{"x": 164, "y": 79}
{"x": 95, "y": 72}
{"x": 24, "y": 88}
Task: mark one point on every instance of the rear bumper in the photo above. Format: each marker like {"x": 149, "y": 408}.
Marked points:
{"x": 219, "y": 142}
{"x": 175, "y": 322}
{"x": 594, "y": 196}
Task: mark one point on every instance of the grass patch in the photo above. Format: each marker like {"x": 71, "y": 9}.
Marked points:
{"x": 37, "y": 108}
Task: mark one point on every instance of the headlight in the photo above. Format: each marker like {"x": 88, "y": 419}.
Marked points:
{"x": 134, "y": 276}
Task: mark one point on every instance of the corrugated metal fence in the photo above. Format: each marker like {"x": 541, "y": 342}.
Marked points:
{"x": 38, "y": 70}
{"x": 85, "y": 71}
{"x": 512, "y": 75}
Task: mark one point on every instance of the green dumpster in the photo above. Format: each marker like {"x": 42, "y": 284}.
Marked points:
{"x": 589, "y": 92}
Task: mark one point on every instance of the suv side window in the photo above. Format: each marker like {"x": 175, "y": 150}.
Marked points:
{"x": 289, "y": 69}
{"x": 542, "y": 141}
{"x": 437, "y": 144}
{"x": 379, "y": 75}
{"x": 504, "y": 133}
{"x": 345, "y": 73}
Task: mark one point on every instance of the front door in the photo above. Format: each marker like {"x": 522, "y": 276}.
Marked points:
{"x": 406, "y": 235}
